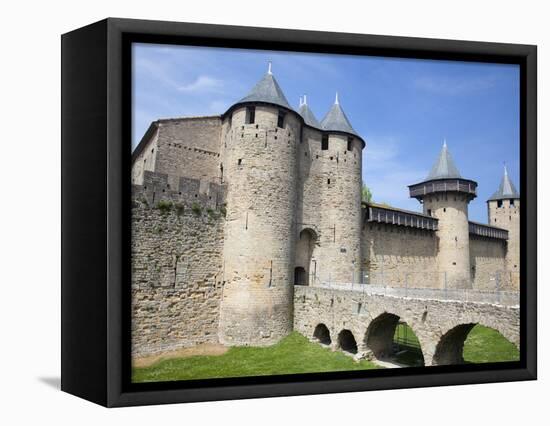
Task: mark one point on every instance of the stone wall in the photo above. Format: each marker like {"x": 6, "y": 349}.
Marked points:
{"x": 179, "y": 190}
{"x": 488, "y": 262}
{"x": 145, "y": 160}
{"x": 177, "y": 276}
{"x": 400, "y": 256}
{"x": 190, "y": 147}
{"x": 439, "y": 325}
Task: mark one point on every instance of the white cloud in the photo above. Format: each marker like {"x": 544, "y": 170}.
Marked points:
{"x": 453, "y": 86}
{"x": 203, "y": 83}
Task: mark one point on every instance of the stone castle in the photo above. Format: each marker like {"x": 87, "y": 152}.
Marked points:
{"x": 231, "y": 212}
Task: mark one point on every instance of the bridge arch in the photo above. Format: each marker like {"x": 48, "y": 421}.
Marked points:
{"x": 450, "y": 347}
{"x": 347, "y": 342}
{"x": 379, "y": 335}
{"x": 380, "y": 339}
{"x": 322, "y": 334}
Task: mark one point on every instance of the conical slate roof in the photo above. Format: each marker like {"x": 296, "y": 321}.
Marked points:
{"x": 336, "y": 120}
{"x": 444, "y": 167}
{"x": 308, "y": 115}
{"x": 267, "y": 90}
{"x": 506, "y": 190}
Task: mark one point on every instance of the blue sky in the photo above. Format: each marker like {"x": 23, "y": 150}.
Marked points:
{"x": 403, "y": 108}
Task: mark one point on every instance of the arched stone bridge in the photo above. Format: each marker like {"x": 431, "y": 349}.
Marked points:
{"x": 365, "y": 324}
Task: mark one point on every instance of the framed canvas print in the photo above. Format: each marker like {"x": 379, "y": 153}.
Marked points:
{"x": 253, "y": 212}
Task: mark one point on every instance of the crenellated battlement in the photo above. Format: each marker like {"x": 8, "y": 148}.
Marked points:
{"x": 179, "y": 189}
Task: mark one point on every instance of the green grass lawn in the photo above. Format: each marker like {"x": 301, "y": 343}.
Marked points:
{"x": 294, "y": 354}
{"x": 484, "y": 344}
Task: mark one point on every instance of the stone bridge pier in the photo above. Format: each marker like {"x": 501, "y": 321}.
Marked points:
{"x": 364, "y": 325}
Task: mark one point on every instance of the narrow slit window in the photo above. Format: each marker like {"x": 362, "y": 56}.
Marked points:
{"x": 350, "y": 144}
{"x": 281, "y": 120}
{"x": 250, "y": 115}
{"x": 324, "y": 143}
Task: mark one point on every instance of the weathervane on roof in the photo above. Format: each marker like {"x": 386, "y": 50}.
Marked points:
{"x": 336, "y": 99}
{"x": 269, "y": 68}
{"x": 305, "y": 99}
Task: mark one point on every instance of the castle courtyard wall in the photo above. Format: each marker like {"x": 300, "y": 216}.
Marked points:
{"x": 400, "y": 256}
{"x": 488, "y": 263}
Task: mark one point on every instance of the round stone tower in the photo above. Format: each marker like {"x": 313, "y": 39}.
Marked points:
{"x": 503, "y": 211}
{"x": 340, "y": 198}
{"x": 260, "y": 137}
{"x": 445, "y": 195}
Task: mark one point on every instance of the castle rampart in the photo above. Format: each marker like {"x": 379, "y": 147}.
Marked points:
{"x": 231, "y": 212}
{"x": 177, "y": 276}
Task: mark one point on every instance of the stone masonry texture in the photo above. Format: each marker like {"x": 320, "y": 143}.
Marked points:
{"x": 228, "y": 215}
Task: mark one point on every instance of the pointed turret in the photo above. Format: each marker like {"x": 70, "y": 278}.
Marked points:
{"x": 267, "y": 90}
{"x": 307, "y": 114}
{"x": 444, "y": 177}
{"x": 506, "y": 190}
{"x": 337, "y": 121}
{"x": 445, "y": 195}
{"x": 444, "y": 167}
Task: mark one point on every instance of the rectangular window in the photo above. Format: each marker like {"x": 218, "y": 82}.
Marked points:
{"x": 511, "y": 202}
{"x": 350, "y": 144}
{"x": 250, "y": 115}
{"x": 324, "y": 143}
{"x": 281, "y": 120}
{"x": 499, "y": 203}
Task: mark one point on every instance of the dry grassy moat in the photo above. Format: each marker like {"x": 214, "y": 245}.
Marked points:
{"x": 295, "y": 354}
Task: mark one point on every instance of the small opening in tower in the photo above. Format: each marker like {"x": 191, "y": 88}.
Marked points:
{"x": 499, "y": 203}
{"x": 239, "y": 161}
{"x": 281, "y": 119}
{"x": 444, "y": 210}
{"x": 429, "y": 212}
{"x": 328, "y": 181}
{"x": 324, "y": 143}
{"x": 250, "y": 115}
{"x": 350, "y": 144}
{"x": 511, "y": 202}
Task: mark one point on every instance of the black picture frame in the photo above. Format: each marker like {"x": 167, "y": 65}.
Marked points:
{"x": 96, "y": 108}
